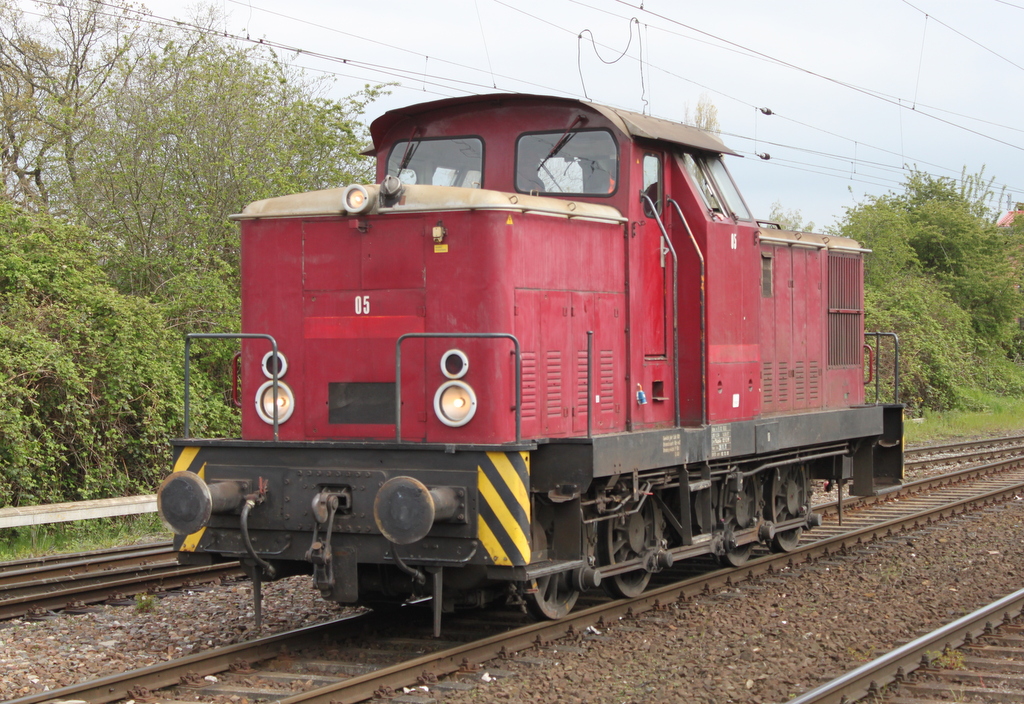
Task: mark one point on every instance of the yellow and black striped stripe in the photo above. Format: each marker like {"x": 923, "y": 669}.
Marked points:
{"x": 185, "y": 460}
{"x": 503, "y": 482}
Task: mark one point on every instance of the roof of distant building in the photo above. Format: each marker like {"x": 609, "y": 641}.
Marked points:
{"x": 1007, "y": 219}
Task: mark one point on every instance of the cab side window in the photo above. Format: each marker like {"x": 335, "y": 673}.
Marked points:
{"x": 653, "y": 184}
{"x": 716, "y": 186}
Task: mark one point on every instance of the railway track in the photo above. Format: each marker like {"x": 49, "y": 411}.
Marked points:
{"x": 975, "y": 658}
{"x": 917, "y": 459}
{"x": 333, "y": 664}
{"x": 37, "y": 586}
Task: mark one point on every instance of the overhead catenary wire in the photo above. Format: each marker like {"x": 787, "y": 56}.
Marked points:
{"x": 448, "y": 83}
{"x": 731, "y": 46}
{"x": 870, "y": 93}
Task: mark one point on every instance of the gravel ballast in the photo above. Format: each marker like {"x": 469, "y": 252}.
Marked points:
{"x": 758, "y": 641}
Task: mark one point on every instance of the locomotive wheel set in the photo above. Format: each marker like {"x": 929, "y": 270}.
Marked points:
{"x": 549, "y": 351}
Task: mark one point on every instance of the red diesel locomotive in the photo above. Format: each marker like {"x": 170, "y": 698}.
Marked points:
{"x": 550, "y": 349}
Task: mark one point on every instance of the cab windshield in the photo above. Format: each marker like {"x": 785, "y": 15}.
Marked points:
{"x": 580, "y": 162}
{"x": 439, "y": 162}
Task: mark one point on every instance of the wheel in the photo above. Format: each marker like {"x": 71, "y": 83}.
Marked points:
{"x": 627, "y": 538}
{"x": 737, "y": 556}
{"x": 740, "y": 510}
{"x": 789, "y": 501}
{"x": 554, "y": 596}
{"x": 786, "y": 540}
{"x": 551, "y": 596}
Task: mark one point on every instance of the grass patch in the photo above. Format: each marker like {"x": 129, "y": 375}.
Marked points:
{"x": 1000, "y": 415}
{"x": 79, "y": 536}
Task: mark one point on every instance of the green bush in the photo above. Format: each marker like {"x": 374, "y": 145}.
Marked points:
{"x": 91, "y": 378}
{"x": 942, "y": 277}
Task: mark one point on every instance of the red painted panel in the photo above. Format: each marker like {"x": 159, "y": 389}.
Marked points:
{"x": 604, "y": 315}
{"x": 655, "y": 281}
{"x": 369, "y": 360}
{"x": 732, "y": 391}
{"x": 359, "y": 327}
{"x": 327, "y": 261}
{"x": 271, "y": 267}
{"x": 813, "y": 358}
{"x": 392, "y": 253}
{"x": 555, "y": 362}
{"x": 733, "y": 253}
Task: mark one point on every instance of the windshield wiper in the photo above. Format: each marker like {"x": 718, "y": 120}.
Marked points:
{"x": 410, "y": 149}
{"x": 562, "y": 141}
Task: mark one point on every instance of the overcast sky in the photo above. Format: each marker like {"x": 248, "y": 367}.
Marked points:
{"x": 858, "y": 90}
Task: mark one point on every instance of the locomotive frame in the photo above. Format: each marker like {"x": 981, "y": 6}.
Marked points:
{"x": 535, "y": 388}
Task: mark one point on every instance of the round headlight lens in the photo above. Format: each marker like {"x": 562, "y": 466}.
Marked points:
{"x": 455, "y": 403}
{"x": 356, "y": 199}
{"x": 265, "y": 402}
{"x": 454, "y": 364}
{"x": 268, "y": 365}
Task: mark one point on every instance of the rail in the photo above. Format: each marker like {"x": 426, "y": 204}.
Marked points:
{"x": 870, "y": 677}
{"x": 229, "y": 336}
{"x": 877, "y": 361}
{"x": 464, "y": 335}
{"x": 448, "y": 660}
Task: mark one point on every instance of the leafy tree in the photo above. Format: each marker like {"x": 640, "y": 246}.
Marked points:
{"x": 951, "y": 230}
{"x": 789, "y": 219}
{"x": 51, "y": 75}
{"x": 126, "y": 147}
{"x": 942, "y": 277}
{"x": 705, "y": 115}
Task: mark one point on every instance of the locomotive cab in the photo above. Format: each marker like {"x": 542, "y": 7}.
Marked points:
{"x": 549, "y": 349}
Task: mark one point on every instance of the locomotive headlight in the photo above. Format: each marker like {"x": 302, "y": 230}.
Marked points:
{"x": 454, "y": 403}
{"x": 356, "y": 199}
{"x": 265, "y": 402}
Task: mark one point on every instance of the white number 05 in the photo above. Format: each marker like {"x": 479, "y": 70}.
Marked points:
{"x": 362, "y": 305}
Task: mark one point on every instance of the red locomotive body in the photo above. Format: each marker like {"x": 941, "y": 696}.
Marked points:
{"x": 550, "y": 349}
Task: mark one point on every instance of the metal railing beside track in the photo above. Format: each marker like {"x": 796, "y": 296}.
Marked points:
{"x": 18, "y": 516}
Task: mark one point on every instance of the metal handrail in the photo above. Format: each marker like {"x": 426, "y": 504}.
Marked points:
{"x": 896, "y": 363}
{"x": 675, "y": 304}
{"x": 441, "y": 335}
{"x": 228, "y": 336}
{"x": 703, "y": 318}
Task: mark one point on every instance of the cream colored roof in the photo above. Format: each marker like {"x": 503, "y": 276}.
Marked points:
{"x": 422, "y": 198}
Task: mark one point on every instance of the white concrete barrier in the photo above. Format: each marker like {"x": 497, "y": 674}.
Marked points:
{"x": 12, "y": 517}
